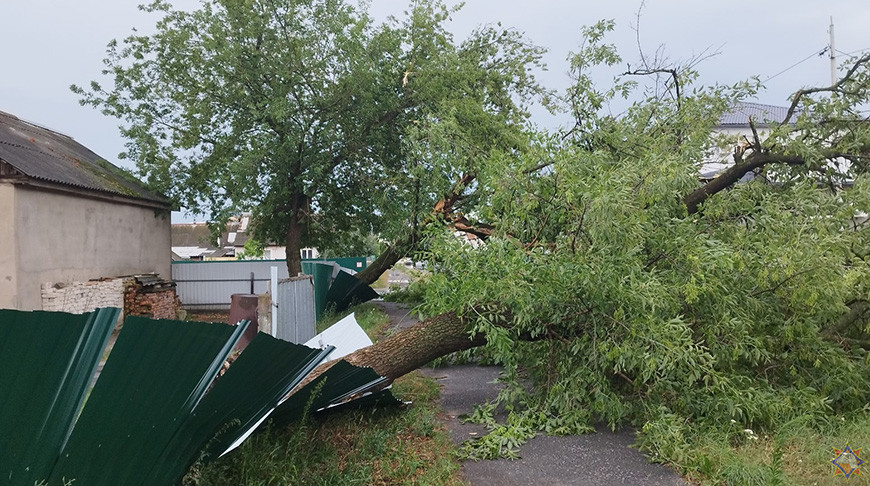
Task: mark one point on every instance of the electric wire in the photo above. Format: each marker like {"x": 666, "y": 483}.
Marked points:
{"x": 815, "y": 53}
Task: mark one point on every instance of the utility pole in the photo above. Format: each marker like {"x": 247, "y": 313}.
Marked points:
{"x": 833, "y": 54}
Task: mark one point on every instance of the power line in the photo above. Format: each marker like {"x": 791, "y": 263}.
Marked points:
{"x": 815, "y": 53}
{"x": 853, "y": 52}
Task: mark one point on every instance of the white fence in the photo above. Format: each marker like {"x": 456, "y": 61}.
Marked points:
{"x": 209, "y": 285}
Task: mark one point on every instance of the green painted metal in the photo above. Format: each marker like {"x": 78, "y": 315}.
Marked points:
{"x": 49, "y": 359}
{"x": 347, "y": 290}
{"x": 157, "y": 406}
{"x": 322, "y": 275}
{"x": 357, "y": 264}
{"x": 264, "y": 373}
{"x": 329, "y": 389}
{"x": 154, "y": 376}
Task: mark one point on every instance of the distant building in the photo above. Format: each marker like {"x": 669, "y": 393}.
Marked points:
{"x": 68, "y": 215}
{"x": 733, "y": 127}
{"x": 195, "y": 241}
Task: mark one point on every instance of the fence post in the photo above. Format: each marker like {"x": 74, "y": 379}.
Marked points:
{"x": 274, "y": 289}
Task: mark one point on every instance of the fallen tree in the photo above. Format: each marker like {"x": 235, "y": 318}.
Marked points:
{"x": 637, "y": 294}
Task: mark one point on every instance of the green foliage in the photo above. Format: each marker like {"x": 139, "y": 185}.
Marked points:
{"x": 606, "y": 299}
{"x": 253, "y": 249}
{"x": 327, "y": 127}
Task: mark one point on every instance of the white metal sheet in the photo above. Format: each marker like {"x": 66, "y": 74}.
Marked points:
{"x": 346, "y": 335}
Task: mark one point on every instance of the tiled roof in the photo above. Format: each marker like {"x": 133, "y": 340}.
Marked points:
{"x": 738, "y": 115}
{"x": 45, "y": 155}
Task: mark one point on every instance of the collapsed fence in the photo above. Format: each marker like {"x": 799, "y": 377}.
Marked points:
{"x": 158, "y": 405}
{"x": 208, "y": 285}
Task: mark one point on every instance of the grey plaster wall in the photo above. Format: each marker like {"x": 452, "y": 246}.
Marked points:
{"x": 66, "y": 238}
{"x": 8, "y": 253}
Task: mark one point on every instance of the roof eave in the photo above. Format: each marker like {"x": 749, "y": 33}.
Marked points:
{"x": 53, "y": 186}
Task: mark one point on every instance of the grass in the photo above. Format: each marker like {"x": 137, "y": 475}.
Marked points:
{"x": 368, "y": 316}
{"x": 799, "y": 455}
{"x": 372, "y": 446}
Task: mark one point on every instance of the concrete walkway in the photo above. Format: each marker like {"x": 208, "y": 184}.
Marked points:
{"x": 603, "y": 458}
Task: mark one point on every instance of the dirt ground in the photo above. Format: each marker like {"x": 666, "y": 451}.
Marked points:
{"x": 209, "y": 316}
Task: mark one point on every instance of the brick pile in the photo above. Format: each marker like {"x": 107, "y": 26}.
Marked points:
{"x": 150, "y": 299}
{"x": 81, "y": 297}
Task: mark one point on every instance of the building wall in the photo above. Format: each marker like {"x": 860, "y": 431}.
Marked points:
{"x": 65, "y": 238}
{"x": 8, "y": 255}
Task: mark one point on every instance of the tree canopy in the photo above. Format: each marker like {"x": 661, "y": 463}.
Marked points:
{"x": 617, "y": 286}
{"x": 309, "y": 114}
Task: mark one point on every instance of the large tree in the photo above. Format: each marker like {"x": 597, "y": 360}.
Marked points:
{"x": 618, "y": 286}
{"x": 308, "y": 114}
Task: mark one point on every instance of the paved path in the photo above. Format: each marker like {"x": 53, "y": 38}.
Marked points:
{"x": 603, "y": 458}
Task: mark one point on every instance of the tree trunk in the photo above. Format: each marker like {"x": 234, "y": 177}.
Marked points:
{"x": 294, "y": 241}
{"x": 413, "y": 347}
{"x": 410, "y": 348}
{"x": 383, "y": 262}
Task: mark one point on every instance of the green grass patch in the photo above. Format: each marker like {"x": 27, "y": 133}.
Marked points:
{"x": 368, "y": 316}
{"x": 376, "y": 445}
{"x": 799, "y": 454}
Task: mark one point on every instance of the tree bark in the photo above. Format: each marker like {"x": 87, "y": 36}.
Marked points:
{"x": 294, "y": 237}
{"x": 383, "y": 262}
{"x": 730, "y": 177}
{"x": 413, "y": 347}
{"x": 410, "y": 348}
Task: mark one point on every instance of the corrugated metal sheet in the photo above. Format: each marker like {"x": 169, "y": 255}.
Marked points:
{"x": 156, "y": 405}
{"x": 264, "y": 373}
{"x": 155, "y": 375}
{"x": 345, "y": 335}
{"x": 46, "y": 155}
{"x": 347, "y": 290}
{"x": 295, "y": 310}
{"x": 49, "y": 359}
{"x": 209, "y": 285}
{"x": 322, "y": 274}
{"x": 327, "y": 390}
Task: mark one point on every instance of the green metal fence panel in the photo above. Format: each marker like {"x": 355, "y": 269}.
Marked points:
{"x": 49, "y": 359}
{"x": 336, "y": 384}
{"x": 357, "y": 264}
{"x": 156, "y": 407}
{"x": 265, "y": 372}
{"x": 347, "y": 290}
{"x": 322, "y": 274}
{"x": 152, "y": 380}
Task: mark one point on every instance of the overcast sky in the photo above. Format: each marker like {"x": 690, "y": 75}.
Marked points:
{"x": 47, "y": 45}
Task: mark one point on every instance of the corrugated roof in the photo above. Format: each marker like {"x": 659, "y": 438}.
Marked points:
{"x": 46, "y": 155}
{"x": 739, "y": 113}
